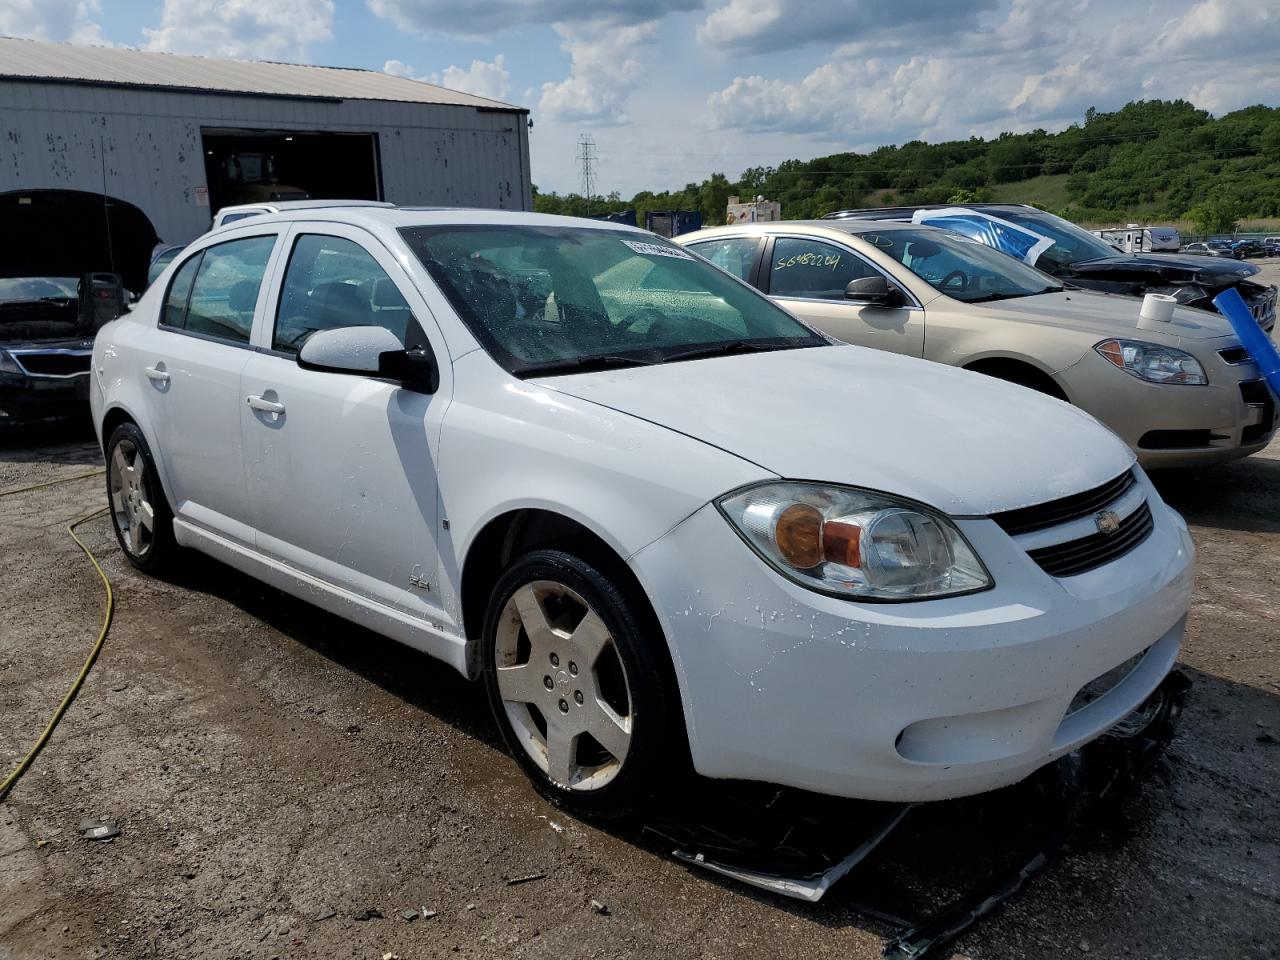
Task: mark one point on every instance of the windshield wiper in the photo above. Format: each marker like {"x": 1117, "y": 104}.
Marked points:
{"x": 582, "y": 364}
{"x": 725, "y": 349}
{"x": 998, "y": 296}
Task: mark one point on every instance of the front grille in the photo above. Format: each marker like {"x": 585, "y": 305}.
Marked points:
{"x": 1088, "y": 553}
{"x": 54, "y": 364}
{"x": 1255, "y": 392}
{"x": 1027, "y": 519}
{"x": 1099, "y": 687}
{"x": 1178, "y": 439}
{"x": 1235, "y": 355}
{"x": 1263, "y": 309}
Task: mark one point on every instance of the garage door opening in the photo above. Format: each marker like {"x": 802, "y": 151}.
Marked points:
{"x": 257, "y": 166}
{"x": 68, "y": 233}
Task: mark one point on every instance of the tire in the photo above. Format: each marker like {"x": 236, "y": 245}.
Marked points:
{"x": 139, "y": 511}
{"x": 565, "y": 716}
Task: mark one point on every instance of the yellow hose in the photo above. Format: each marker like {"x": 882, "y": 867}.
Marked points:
{"x": 8, "y": 783}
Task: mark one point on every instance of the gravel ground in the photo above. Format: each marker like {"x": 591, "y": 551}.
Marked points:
{"x": 277, "y": 773}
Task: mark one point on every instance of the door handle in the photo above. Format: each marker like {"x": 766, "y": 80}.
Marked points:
{"x": 157, "y": 374}
{"x": 265, "y": 405}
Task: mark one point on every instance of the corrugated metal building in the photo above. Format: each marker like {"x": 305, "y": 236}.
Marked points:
{"x": 179, "y": 136}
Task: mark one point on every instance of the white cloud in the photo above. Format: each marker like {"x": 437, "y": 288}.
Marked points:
{"x": 397, "y": 68}
{"x": 244, "y": 29}
{"x": 485, "y": 19}
{"x": 484, "y": 78}
{"x": 1009, "y": 72}
{"x": 601, "y": 39}
{"x": 605, "y": 70}
{"x": 761, "y": 26}
{"x": 73, "y": 20}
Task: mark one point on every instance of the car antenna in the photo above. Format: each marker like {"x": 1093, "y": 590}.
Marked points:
{"x": 106, "y": 211}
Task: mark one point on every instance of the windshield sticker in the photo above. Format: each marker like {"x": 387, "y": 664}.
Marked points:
{"x": 831, "y": 260}
{"x": 656, "y": 250}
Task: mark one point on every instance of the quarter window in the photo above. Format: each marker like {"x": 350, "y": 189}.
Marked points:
{"x": 225, "y": 290}
{"x": 333, "y": 282}
{"x": 174, "y": 313}
{"x": 736, "y": 255}
{"x": 811, "y": 268}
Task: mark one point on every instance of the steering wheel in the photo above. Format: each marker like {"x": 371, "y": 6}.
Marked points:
{"x": 958, "y": 275}
{"x": 655, "y": 318}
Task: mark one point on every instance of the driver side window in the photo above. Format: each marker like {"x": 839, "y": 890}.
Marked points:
{"x": 813, "y": 269}
{"x": 334, "y": 282}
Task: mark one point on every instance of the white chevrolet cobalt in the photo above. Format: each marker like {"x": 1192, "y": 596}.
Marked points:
{"x": 659, "y": 517}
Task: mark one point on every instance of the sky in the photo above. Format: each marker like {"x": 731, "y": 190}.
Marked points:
{"x": 674, "y": 90}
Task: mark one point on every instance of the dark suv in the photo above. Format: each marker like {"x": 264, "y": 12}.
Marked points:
{"x": 1076, "y": 256}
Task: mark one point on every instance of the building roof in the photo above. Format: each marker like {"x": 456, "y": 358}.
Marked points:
{"x": 38, "y": 61}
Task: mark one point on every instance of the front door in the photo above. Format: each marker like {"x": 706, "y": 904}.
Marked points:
{"x": 342, "y": 468}
{"x": 809, "y": 277}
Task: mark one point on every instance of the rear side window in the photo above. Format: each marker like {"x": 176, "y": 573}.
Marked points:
{"x": 811, "y": 268}
{"x": 334, "y": 282}
{"x": 736, "y": 255}
{"x": 225, "y": 290}
{"x": 174, "y": 313}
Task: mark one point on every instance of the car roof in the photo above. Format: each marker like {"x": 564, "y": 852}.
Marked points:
{"x": 851, "y": 227}
{"x": 301, "y": 205}
{"x": 390, "y": 215}
{"x": 897, "y": 213}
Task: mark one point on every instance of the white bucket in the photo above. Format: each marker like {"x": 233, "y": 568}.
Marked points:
{"x": 1156, "y": 308}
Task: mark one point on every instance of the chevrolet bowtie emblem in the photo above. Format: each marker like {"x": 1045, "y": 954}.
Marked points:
{"x": 1107, "y": 522}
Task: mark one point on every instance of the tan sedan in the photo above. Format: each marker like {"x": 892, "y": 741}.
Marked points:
{"x": 1179, "y": 393}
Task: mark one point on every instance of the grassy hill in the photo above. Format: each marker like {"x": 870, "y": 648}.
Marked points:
{"x": 1150, "y": 161}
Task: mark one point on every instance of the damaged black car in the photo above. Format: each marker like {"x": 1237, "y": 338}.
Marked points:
{"x": 1076, "y": 256}
{"x": 68, "y": 260}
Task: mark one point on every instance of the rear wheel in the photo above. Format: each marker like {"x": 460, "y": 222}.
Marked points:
{"x": 576, "y": 686}
{"x": 139, "y": 511}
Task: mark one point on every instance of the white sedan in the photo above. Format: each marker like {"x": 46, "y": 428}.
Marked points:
{"x": 660, "y": 518}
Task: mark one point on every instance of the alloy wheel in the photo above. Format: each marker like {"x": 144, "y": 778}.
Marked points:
{"x": 563, "y": 686}
{"x": 130, "y": 498}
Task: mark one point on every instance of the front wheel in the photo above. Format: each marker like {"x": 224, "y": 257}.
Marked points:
{"x": 581, "y": 691}
{"x": 139, "y": 511}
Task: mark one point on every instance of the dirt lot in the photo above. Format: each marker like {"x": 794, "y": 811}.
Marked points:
{"x": 277, "y": 772}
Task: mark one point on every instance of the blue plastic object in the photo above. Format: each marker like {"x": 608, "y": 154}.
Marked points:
{"x": 1252, "y": 337}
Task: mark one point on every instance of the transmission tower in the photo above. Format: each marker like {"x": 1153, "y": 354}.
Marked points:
{"x": 586, "y": 157}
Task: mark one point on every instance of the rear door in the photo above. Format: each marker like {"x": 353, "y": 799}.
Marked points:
{"x": 191, "y": 375}
{"x": 342, "y": 467}
{"x": 808, "y": 276}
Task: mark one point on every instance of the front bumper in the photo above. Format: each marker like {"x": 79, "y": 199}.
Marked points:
{"x": 911, "y": 701}
{"x": 1170, "y": 425}
{"x": 51, "y": 381}
{"x": 28, "y": 399}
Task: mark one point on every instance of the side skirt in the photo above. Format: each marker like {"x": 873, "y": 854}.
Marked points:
{"x": 422, "y": 635}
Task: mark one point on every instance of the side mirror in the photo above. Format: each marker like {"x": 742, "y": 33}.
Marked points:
{"x": 872, "y": 292}
{"x": 371, "y": 352}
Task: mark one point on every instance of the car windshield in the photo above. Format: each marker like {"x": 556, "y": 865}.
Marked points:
{"x": 1071, "y": 244}
{"x": 561, "y": 299}
{"x": 27, "y": 289}
{"x": 963, "y": 269}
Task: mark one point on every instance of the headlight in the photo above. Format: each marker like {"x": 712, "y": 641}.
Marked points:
{"x": 8, "y": 364}
{"x": 1152, "y": 362}
{"x": 855, "y": 543}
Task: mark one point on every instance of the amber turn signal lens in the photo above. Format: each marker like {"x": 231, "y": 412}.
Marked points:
{"x": 798, "y": 534}
{"x": 1113, "y": 352}
{"x": 842, "y": 543}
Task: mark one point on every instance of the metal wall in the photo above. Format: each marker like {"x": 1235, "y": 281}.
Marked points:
{"x": 144, "y": 146}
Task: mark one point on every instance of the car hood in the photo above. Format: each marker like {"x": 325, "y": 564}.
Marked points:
{"x": 68, "y": 233}
{"x": 1170, "y": 268}
{"x": 962, "y": 442}
{"x": 1105, "y": 314}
